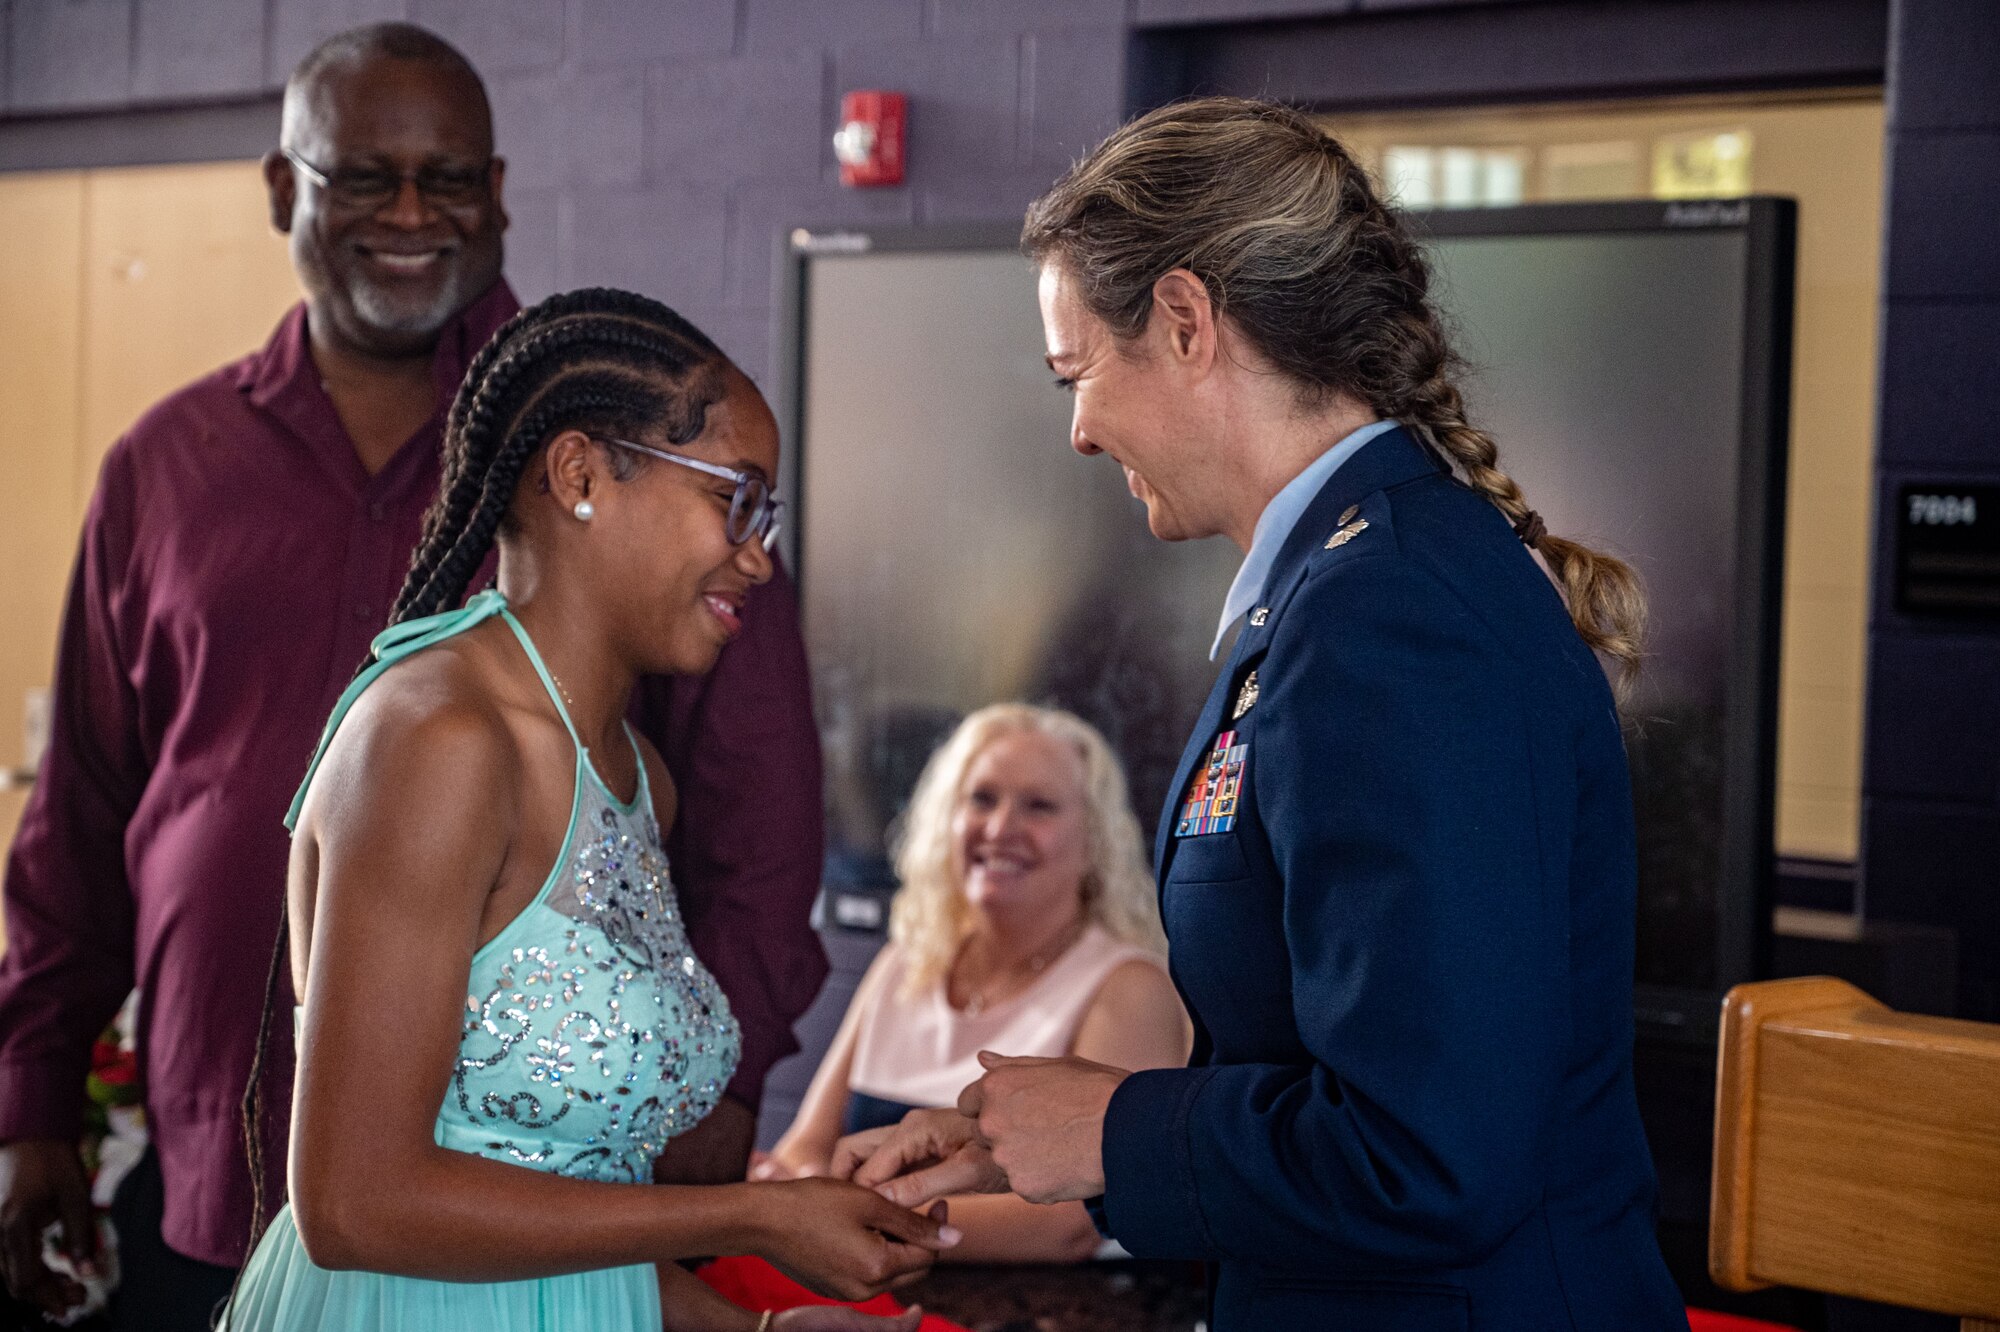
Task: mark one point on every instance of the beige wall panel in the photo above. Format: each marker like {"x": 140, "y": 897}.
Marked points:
{"x": 1833, "y": 387}
{"x": 41, "y": 281}
{"x": 1817, "y": 736}
{"x": 1826, "y": 640}
{"x": 182, "y": 273}
{"x": 117, "y": 287}
{"x": 1827, "y": 550}
{"x": 1829, "y": 157}
{"x": 11, "y": 801}
{"x": 1819, "y": 824}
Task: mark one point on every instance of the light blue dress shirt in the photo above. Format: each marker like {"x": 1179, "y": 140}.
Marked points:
{"x": 1275, "y": 524}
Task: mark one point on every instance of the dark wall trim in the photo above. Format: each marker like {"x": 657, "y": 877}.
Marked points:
{"x": 1556, "y": 50}
{"x": 228, "y": 132}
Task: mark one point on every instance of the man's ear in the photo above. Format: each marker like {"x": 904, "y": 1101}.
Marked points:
{"x": 498, "y": 176}
{"x": 281, "y": 186}
{"x": 1183, "y": 312}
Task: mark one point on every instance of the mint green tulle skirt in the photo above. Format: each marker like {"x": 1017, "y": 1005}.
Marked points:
{"x": 283, "y": 1291}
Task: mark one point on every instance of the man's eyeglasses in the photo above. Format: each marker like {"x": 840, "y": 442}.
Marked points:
{"x": 753, "y": 509}
{"x": 371, "y": 187}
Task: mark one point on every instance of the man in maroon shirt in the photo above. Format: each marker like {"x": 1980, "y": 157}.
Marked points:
{"x": 244, "y": 544}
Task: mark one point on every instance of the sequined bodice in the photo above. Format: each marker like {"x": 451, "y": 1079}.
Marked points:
{"x": 592, "y": 1034}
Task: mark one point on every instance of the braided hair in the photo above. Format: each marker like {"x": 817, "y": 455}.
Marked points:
{"x": 1286, "y": 231}
{"x": 602, "y": 361}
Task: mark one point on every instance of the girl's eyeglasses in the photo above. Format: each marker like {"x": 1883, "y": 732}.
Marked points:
{"x": 753, "y": 509}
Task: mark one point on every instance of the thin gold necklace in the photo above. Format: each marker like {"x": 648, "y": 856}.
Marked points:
{"x": 568, "y": 702}
{"x": 977, "y": 1002}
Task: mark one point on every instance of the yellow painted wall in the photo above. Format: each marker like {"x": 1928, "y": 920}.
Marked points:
{"x": 41, "y": 286}
{"x": 116, "y": 287}
{"x": 1826, "y": 152}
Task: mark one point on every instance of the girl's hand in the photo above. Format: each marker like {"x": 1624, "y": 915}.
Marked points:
{"x": 833, "y": 1318}
{"x": 846, "y": 1242}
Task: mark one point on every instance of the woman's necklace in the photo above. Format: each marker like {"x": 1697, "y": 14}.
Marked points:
{"x": 983, "y": 997}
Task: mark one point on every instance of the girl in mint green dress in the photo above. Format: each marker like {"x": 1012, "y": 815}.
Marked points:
{"x": 503, "y": 1022}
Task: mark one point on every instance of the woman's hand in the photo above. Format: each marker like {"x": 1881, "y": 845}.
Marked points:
{"x": 846, "y": 1242}
{"x": 1043, "y": 1121}
{"x": 833, "y": 1318}
{"x": 931, "y": 1154}
{"x": 854, "y": 1150}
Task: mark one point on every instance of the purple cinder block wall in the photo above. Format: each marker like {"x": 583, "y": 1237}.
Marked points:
{"x": 657, "y": 144}
{"x": 1931, "y": 771}
{"x": 664, "y": 144}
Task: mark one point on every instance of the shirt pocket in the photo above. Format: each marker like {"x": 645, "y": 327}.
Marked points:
{"x": 1213, "y": 858}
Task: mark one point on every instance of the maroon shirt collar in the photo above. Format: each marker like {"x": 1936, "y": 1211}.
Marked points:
{"x": 282, "y": 381}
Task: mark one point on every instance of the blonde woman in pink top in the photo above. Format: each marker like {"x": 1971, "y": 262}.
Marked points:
{"x": 1027, "y": 925}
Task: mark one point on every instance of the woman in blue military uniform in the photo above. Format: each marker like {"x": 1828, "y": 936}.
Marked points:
{"x": 1397, "y": 867}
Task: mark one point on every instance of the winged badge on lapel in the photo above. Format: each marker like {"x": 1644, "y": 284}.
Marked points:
{"x": 1246, "y": 697}
{"x": 1350, "y": 527}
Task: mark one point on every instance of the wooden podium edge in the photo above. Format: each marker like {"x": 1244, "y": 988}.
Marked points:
{"x": 1745, "y": 1010}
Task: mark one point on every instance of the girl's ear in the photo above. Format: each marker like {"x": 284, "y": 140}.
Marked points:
{"x": 569, "y": 467}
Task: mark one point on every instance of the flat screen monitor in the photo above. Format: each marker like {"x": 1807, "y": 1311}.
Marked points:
{"x": 1631, "y": 360}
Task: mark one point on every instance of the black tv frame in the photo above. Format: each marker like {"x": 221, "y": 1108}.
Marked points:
{"x": 1748, "y": 854}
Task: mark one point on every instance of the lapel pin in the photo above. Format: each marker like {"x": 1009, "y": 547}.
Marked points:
{"x": 1258, "y": 616}
{"x": 1348, "y": 517}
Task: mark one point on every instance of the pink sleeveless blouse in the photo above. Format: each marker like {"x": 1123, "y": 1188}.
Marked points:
{"x": 920, "y": 1050}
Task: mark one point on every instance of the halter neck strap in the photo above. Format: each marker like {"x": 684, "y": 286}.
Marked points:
{"x": 542, "y": 670}
{"x": 391, "y": 646}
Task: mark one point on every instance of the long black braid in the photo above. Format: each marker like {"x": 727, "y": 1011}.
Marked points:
{"x": 603, "y": 361}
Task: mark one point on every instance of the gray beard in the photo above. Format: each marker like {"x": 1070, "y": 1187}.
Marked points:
{"x": 381, "y": 312}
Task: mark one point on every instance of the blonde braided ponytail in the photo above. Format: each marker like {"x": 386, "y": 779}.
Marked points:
{"x": 1605, "y": 600}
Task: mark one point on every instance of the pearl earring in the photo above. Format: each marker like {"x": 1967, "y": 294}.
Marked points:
{"x": 584, "y": 511}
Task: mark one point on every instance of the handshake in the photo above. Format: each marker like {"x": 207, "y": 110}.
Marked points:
{"x": 1034, "y": 1127}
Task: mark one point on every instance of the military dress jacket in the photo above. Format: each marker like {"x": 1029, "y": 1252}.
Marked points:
{"x": 1398, "y": 877}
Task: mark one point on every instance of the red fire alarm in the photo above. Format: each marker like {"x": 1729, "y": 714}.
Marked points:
{"x": 871, "y": 138}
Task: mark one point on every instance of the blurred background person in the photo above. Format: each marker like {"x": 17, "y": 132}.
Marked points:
{"x": 1026, "y": 924}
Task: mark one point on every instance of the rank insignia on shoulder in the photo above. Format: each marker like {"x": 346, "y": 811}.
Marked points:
{"x": 1246, "y": 697}
{"x": 1347, "y": 533}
